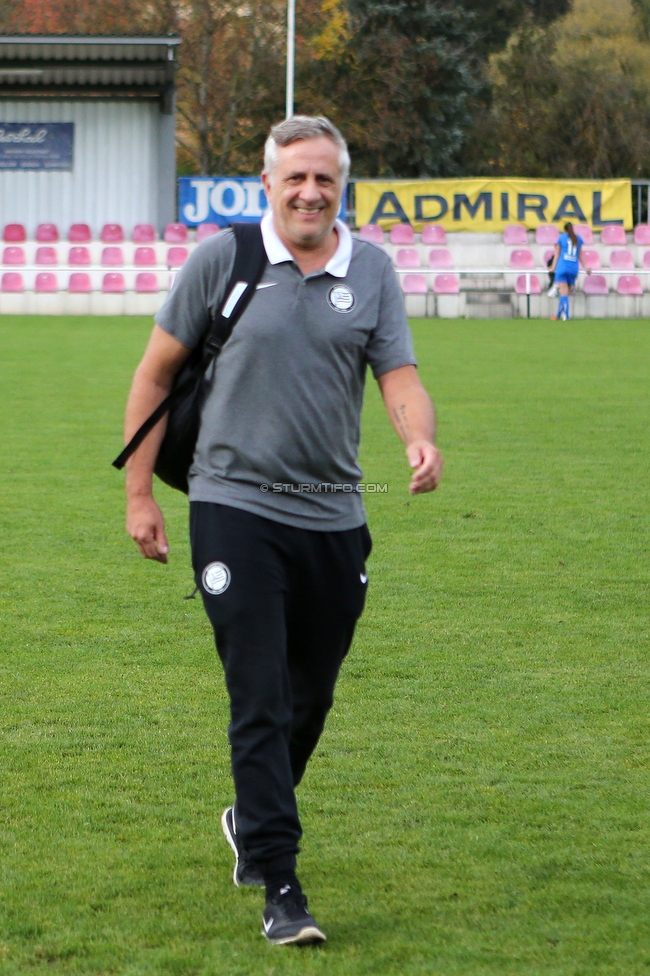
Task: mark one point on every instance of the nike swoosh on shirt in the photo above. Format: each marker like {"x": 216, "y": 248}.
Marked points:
{"x": 266, "y": 284}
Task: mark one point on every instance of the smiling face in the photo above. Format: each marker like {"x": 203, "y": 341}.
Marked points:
{"x": 304, "y": 191}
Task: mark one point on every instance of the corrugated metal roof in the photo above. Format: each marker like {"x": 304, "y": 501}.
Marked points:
{"x": 122, "y": 66}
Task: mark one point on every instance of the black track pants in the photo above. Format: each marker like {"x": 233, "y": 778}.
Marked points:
{"x": 283, "y": 603}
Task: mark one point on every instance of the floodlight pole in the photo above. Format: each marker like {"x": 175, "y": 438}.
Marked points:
{"x": 291, "y": 50}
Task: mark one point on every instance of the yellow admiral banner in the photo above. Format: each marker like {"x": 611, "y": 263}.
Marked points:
{"x": 482, "y": 205}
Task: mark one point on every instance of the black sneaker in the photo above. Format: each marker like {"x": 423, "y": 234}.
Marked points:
{"x": 286, "y": 919}
{"x": 245, "y": 873}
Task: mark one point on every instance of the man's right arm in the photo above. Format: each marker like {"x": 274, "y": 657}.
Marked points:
{"x": 152, "y": 382}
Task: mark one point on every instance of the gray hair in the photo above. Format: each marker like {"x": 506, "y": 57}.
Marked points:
{"x": 304, "y": 127}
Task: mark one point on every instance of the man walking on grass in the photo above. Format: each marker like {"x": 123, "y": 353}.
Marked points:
{"x": 278, "y": 530}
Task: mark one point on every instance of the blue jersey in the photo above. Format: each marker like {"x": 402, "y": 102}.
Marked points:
{"x": 567, "y": 263}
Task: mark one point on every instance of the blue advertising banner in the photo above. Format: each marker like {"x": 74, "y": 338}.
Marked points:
{"x": 224, "y": 200}
{"x": 36, "y": 145}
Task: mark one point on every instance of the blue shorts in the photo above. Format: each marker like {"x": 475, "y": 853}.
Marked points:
{"x": 568, "y": 277}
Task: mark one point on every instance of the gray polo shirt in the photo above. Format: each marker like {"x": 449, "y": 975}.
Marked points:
{"x": 280, "y": 425}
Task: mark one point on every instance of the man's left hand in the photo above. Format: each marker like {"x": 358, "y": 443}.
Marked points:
{"x": 427, "y": 461}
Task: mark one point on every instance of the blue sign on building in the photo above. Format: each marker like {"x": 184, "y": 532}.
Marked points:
{"x": 223, "y": 200}
{"x": 37, "y": 145}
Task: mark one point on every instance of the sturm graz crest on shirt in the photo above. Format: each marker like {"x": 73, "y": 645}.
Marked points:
{"x": 341, "y": 298}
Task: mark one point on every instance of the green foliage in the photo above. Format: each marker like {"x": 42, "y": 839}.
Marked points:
{"x": 496, "y": 20}
{"x": 478, "y": 805}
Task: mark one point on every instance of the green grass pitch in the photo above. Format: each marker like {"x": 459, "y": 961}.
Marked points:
{"x": 480, "y": 801}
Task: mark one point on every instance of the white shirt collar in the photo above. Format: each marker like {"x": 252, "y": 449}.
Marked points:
{"x": 276, "y": 252}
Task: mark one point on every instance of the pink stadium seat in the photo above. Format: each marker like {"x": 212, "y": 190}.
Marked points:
{"x": 621, "y": 260}
{"x": 613, "y": 234}
{"x": 515, "y": 234}
{"x": 440, "y": 257}
{"x": 144, "y": 257}
{"x": 112, "y": 234}
{"x": 206, "y": 230}
{"x": 113, "y": 282}
{"x": 548, "y": 255}
{"x": 546, "y": 234}
{"x": 176, "y": 234}
{"x": 112, "y": 257}
{"x": 433, "y": 234}
{"x": 402, "y": 234}
{"x": 46, "y": 233}
{"x": 80, "y": 282}
{"x": 646, "y": 259}
{"x": 146, "y": 281}
{"x": 46, "y": 281}
{"x": 79, "y": 256}
{"x": 595, "y": 285}
{"x": 14, "y": 233}
{"x": 414, "y": 284}
{"x": 372, "y": 233}
{"x": 12, "y": 281}
{"x": 144, "y": 234}
{"x": 641, "y": 234}
{"x": 520, "y": 285}
{"x": 407, "y": 257}
{"x": 590, "y": 259}
{"x": 46, "y": 255}
{"x": 13, "y": 255}
{"x": 446, "y": 284}
{"x": 522, "y": 258}
{"x": 629, "y": 285}
{"x": 79, "y": 234}
{"x": 176, "y": 256}
{"x": 585, "y": 232}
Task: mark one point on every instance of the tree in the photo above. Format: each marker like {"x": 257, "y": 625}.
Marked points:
{"x": 496, "y": 20}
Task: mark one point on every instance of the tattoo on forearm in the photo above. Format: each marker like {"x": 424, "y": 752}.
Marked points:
{"x": 401, "y": 421}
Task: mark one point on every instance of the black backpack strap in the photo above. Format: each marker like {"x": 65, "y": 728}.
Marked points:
{"x": 250, "y": 261}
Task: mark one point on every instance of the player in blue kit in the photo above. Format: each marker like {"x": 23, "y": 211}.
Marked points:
{"x": 565, "y": 266}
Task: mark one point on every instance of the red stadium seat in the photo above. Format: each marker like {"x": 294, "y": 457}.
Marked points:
{"x": 112, "y": 257}
{"x": 46, "y": 281}
{"x": 372, "y": 233}
{"x": 146, "y": 281}
{"x": 440, "y": 257}
{"x": 79, "y": 234}
{"x": 629, "y": 285}
{"x": 12, "y": 281}
{"x": 433, "y": 234}
{"x": 446, "y": 284}
{"x": 176, "y": 234}
{"x": 546, "y": 234}
{"x": 13, "y": 255}
{"x": 522, "y": 258}
{"x": 590, "y": 259}
{"x": 113, "y": 282}
{"x": 641, "y": 234}
{"x": 14, "y": 233}
{"x": 204, "y": 231}
{"x": 585, "y": 232}
{"x": 402, "y": 234}
{"x": 176, "y": 256}
{"x": 144, "y": 257}
{"x": 46, "y": 233}
{"x": 112, "y": 234}
{"x": 46, "y": 255}
{"x": 515, "y": 234}
{"x": 407, "y": 257}
{"x": 79, "y": 256}
{"x": 414, "y": 284}
{"x": 613, "y": 234}
{"x": 80, "y": 282}
{"x": 144, "y": 234}
{"x": 621, "y": 260}
{"x": 520, "y": 285}
{"x": 595, "y": 285}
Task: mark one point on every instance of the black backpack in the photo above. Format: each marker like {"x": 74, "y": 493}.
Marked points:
{"x": 185, "y": 401}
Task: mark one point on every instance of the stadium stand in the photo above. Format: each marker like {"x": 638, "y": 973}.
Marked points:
{"x": 372, "y": 233}
{"x": 433, "y": 234}
{"x": 175, "y": 234}
{"x": 144, "y": 234}
{"x": 595, "y": 285}
{"x": 591, "y": 259}
{"x": 46, "y": 255}
{"x": 629, "y": 285}
{"x": 440, "y": 257}
{"x": 14, "y": 233}
{"x": 613, "y": 234}
{"x": 522, "y": 257}
{"x": 112, "y": 234}
{"x": 534, "y": 285}
{"x": 13, "y": 255}
{"x": 402, "y": 234}
{"x": 642, "y": 234}
{"x": 407, "y": 257}
{"x": 207, "y": 230}
{"x": 515, "y": 234}
{"x": 47, "y": 233}
{"x": 621, "y": 260}
{"x": 546, "y": 234}
{"x": 79, "y": 234}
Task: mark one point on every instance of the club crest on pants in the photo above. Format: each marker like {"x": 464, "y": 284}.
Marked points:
{"x": 216, "y": 578}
